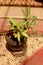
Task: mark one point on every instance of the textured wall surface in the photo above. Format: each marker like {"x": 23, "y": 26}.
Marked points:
{"x": 16, "y": 12}
{"x": 20, "y": 2}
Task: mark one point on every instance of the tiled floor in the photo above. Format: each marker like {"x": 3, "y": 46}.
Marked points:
{"x": 6, "y": 58}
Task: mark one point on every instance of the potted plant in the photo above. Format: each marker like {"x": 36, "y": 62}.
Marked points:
{"x": 18, "y": 33}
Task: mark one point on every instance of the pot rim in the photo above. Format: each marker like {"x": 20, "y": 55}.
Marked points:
{"x": 10, "y": 41}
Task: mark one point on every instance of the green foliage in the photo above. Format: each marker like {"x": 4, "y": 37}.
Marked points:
{"x": 18, "y": 36}
{"x": 26, "y": 12}
{"x": 12, "y": 21}
{"x": 19, "y": 28}
{"x": 24, "y": 34}
{"x": 29, "y": 17}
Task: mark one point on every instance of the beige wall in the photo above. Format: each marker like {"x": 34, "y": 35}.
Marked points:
{"x": 17, "y": 13}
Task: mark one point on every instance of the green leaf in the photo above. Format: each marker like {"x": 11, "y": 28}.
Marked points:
{"x": 18, "y": 36}
{"x": 32, "y": 17}
{"x": 24, "y": 34}
{"x": 27, "y": 11}
{"x": 18, "y": 27}
{"x": 29, "y": 23}
{"x": 23, "y": 12}
{"x": 33, "y": 23}
{"x": 23, "y": 23}
{"x": 12, "y": 21}
{"x": 12, "y": 28}
{"x": 25, "y": 31}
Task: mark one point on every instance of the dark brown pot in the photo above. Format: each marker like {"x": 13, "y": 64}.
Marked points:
{"x": 15, "y": 49}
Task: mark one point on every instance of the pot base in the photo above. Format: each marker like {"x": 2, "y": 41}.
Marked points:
{"x": 17, "y": 53}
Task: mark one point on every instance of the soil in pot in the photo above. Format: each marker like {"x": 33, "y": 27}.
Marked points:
{"x": 14, "y": 46}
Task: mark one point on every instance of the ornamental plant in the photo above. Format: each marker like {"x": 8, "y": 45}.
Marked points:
{"x": 20, "y": 30}
{"x": 30, "y": 19}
